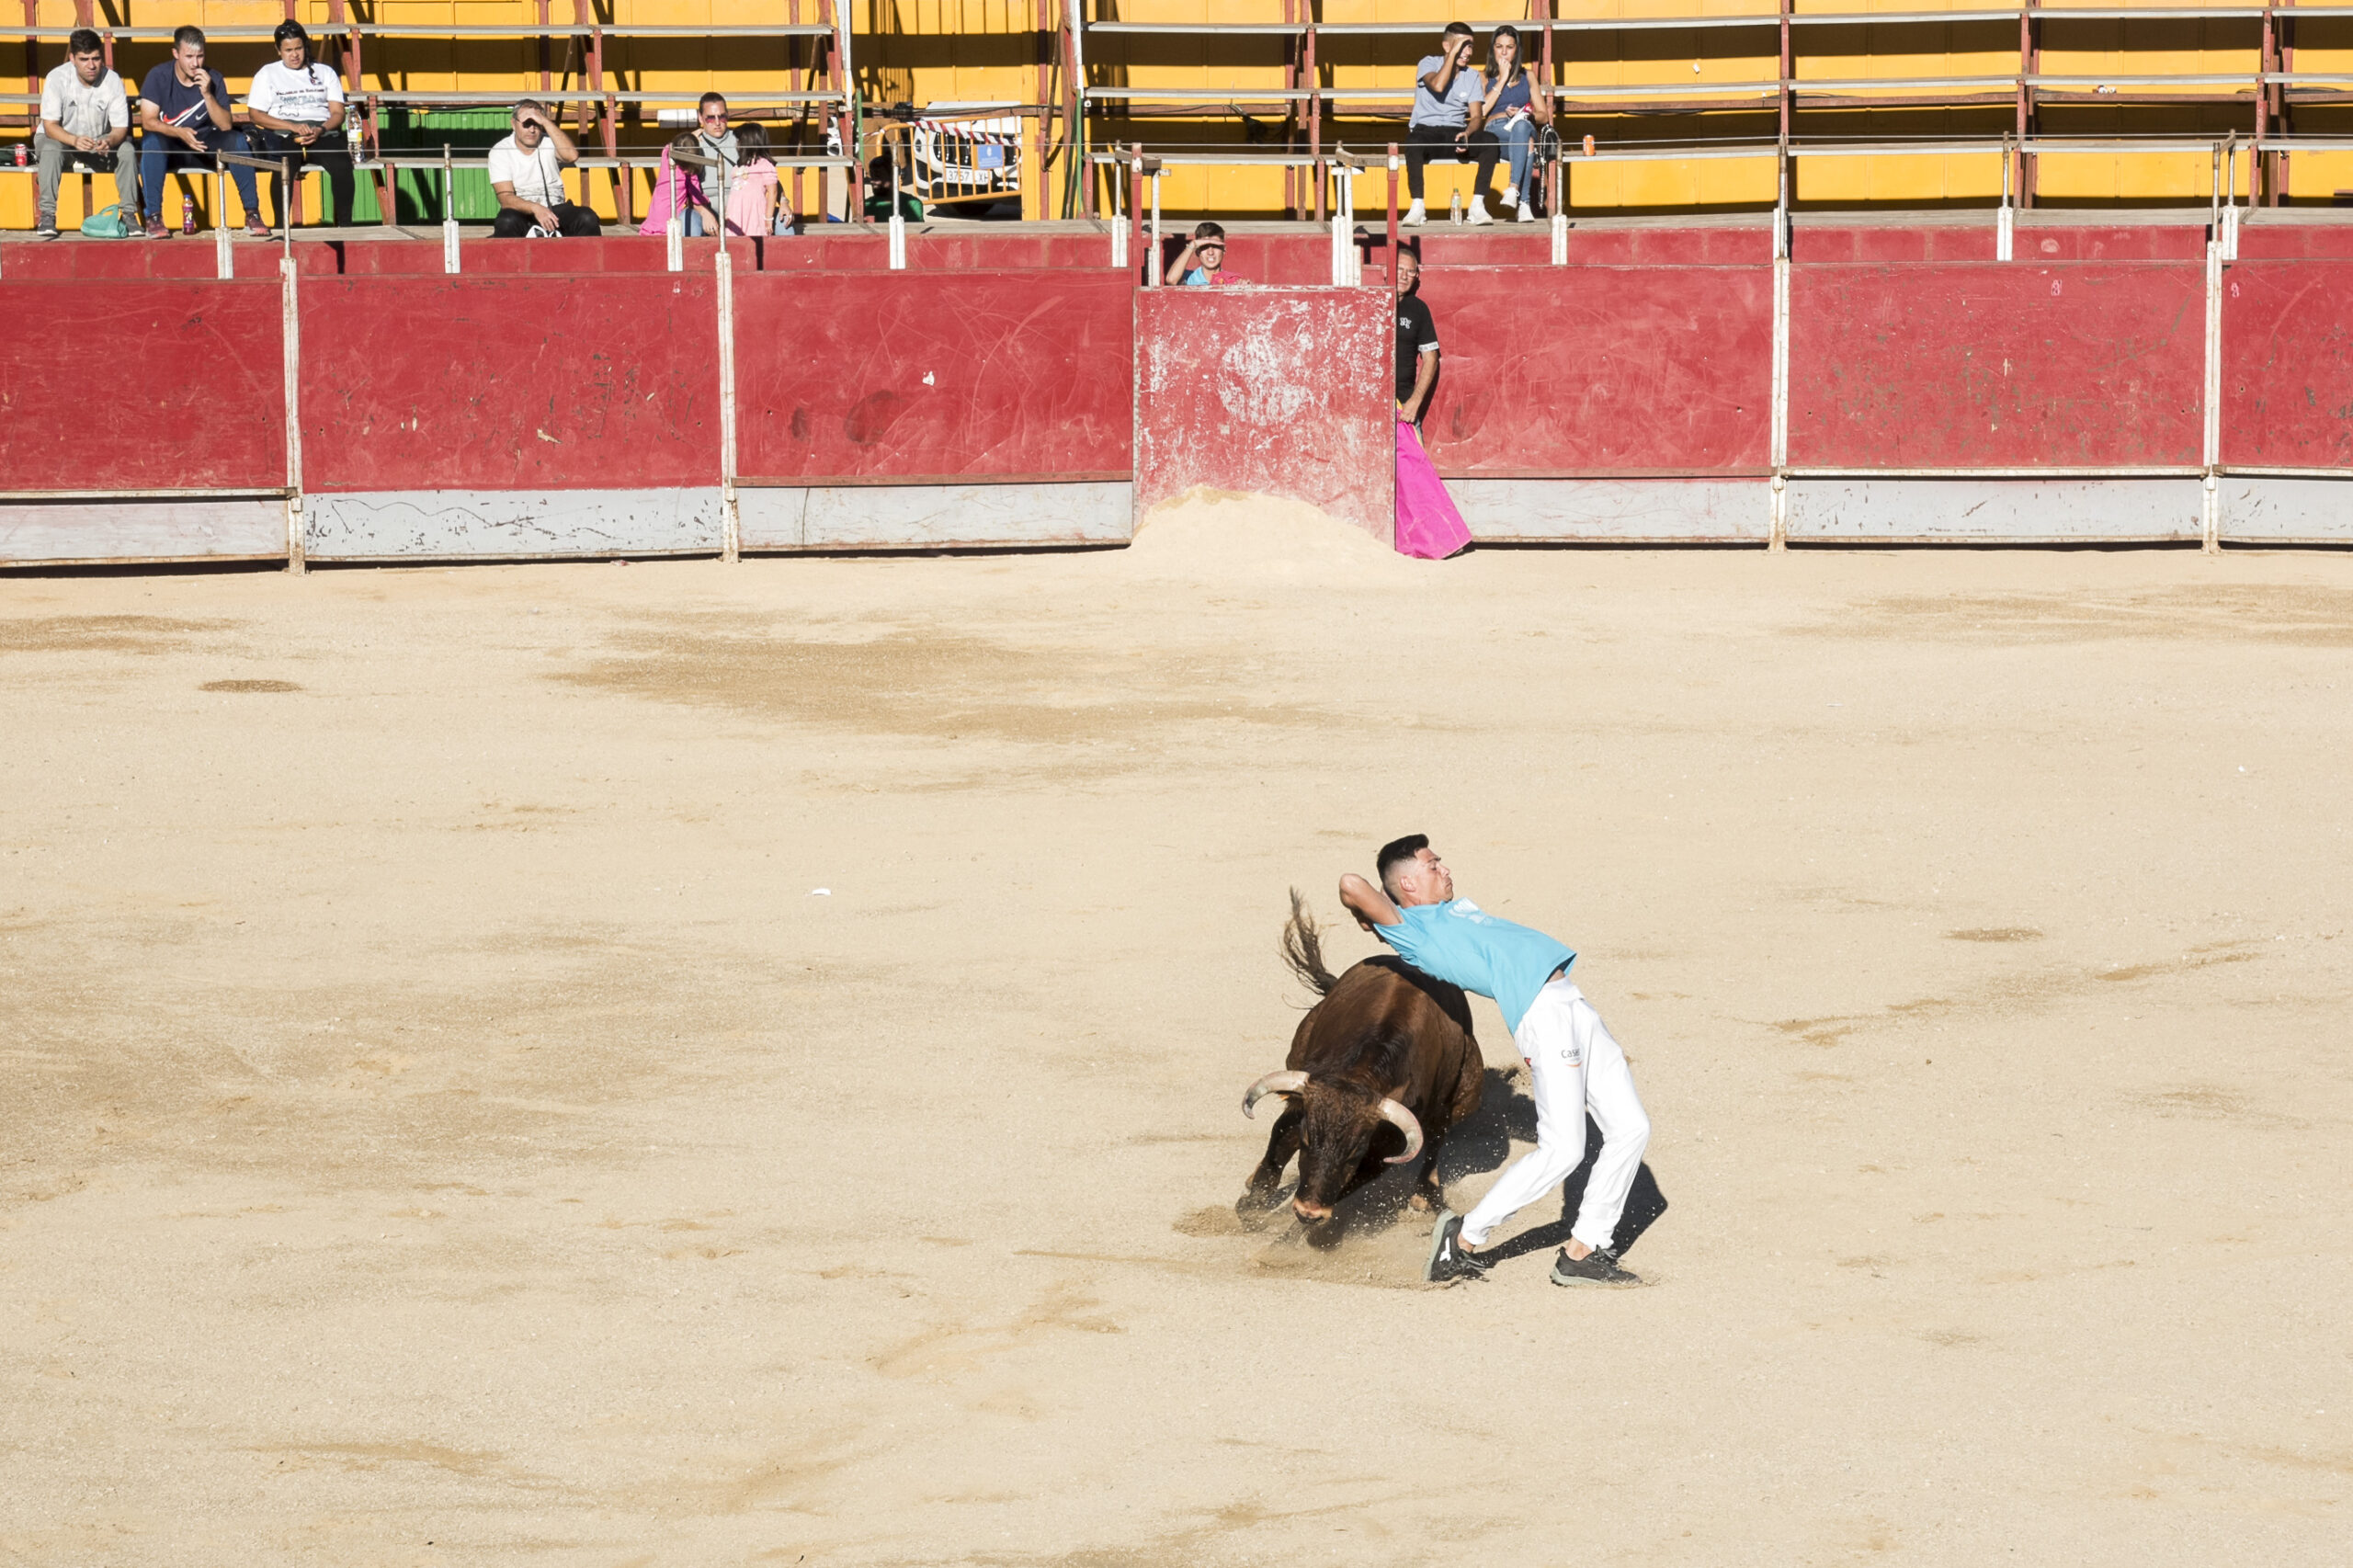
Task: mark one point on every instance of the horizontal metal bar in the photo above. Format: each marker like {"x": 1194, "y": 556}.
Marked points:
{"x": 2286, "y": 472}
{"x": 475, "y": 160}
{"x": 2190, "y": 470}
{"x": 248, "y": 494}
{"x": 492, "y": 100}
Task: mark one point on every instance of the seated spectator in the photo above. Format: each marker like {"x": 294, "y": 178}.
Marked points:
{"x": 678, "y": 193}
{"x": 84, "y": 122}
{"x": 1203, "y": 262}
{"x": 526, "y": 175}
{"x": 755, "y": 202}
{"x": 295, "y": 107}
{"x": 715, "y": 141}
{"x": 1512, "y": 111}
{"x": 184, "y": 115}
{"x": 881, "y": 179}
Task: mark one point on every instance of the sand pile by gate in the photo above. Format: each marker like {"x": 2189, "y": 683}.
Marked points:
{"x": 1225, "y": 534}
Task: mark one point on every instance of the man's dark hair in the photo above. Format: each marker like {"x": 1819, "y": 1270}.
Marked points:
{"x": 1398, "y": 852}
{"x": 1456, "y": 30}
{"x": 85, "y": 40}
{"x": 1208, "y": 231}
{"x": 707, "y": 100}
{"x": 184, "y": 35}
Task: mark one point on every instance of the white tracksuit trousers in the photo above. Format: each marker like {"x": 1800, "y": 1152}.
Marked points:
{"x": 1576, "y": 1067}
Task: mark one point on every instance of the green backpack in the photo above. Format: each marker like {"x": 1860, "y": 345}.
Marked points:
{"x": 108, "y": 223}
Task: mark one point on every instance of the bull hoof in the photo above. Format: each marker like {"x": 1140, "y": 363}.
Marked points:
{"x": 1258, "y": 1200}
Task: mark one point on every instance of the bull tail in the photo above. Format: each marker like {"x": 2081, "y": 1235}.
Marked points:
{"x": 1302, "y": 947}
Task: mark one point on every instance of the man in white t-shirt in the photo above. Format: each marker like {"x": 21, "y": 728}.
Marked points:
{"x": 297, "y": 109}
{"x": 526, "y": 175}
{"x": 84, "y": 122}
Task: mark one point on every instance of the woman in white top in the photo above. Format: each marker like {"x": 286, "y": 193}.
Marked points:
{"x": 297, "y": 109}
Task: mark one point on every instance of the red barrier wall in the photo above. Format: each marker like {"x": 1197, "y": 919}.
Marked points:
{"x": 1999, "y": 365}
{"x": 2288, "y": 364}
{"x": 1975, "y": 241}
{"x": 498, "y": 383}
{"x": 1276, "y": 391}
{"x": 183, "y": 257}
{"x": 204, "y": 405}
{"x": 1591, "y": 370}
{"x": 908, "y": 377}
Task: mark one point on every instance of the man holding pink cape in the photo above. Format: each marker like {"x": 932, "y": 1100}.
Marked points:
{"x": 1427, "y": 524}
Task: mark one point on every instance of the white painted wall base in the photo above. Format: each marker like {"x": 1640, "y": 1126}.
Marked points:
{"x": 1617, "y": 511}
{"x": 2266, "y": 510}
{"x": 212, "y": 528}
{"x": 934, "y": 517}
{"x": 424, "y": 525}
{"x": 1995, "y": 511}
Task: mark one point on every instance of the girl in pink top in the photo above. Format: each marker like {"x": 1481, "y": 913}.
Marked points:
{"x": 678, "y": 190}
{"x": 756, "y": 203}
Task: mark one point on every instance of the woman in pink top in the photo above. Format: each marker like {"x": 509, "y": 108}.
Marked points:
{"x": 678, "y": 191}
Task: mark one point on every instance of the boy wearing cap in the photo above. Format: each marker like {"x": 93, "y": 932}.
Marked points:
{"x": 1576, "y": 1066}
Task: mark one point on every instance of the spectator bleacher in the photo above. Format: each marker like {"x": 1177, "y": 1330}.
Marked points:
{"x": 1692, "y": 105}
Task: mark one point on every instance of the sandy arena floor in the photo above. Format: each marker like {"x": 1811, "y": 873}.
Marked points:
{"x": 444, "y": 1126}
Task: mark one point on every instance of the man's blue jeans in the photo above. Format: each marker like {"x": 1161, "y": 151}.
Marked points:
{"x": 159, "y": 154}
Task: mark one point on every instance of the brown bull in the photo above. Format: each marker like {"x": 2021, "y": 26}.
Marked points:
{"x": 1379, "y": 1070}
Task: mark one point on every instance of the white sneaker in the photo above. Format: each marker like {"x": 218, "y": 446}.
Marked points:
{"x": 1414, "y": 217}
{"x": 1511, "y": 196}
{"x": 1526, "y": 213}
{"x": 1478, "y": 213}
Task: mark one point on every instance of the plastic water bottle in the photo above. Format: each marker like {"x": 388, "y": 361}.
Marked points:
{"x": 1455, "y": 213}
{"x": 187, "y": 218}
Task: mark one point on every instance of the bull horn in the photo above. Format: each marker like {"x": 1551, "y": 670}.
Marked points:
{"x": 1284, "y": 1083}
{"x": 1403, "y": 1120}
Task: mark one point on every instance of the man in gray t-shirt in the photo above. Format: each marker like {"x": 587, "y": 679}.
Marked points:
{"x": 1446, "y": 121}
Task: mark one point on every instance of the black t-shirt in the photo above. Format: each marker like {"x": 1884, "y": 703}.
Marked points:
{"x": 1414, "y": 329}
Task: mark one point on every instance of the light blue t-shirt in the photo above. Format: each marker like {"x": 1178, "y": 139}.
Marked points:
{"x": 1454, "y": 109}
{"x": 1462, "y": 945}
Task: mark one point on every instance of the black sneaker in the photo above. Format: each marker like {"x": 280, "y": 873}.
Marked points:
{"x": 1598, "y": 1267}
{"x": 45, "y": 228}
{"x": 1449, "y": 1262}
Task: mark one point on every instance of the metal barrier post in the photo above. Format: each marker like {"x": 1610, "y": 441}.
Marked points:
{"x": 297, "y": 559}
{"x": 448, "y": 215}
{"x": 1393, "y": 213}
{"x": 898, "y": 224}
{"x": 224, "y": 265}
{"x": 730, "y": 529}
{"x": 1118, "y": 218}
{"x": 1153, "y": 280}
{"x": 1135, "y": 199}
{"x": 2003, "y": 225}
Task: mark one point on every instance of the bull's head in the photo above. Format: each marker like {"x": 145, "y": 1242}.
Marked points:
{"x": 1338, "y": 1122}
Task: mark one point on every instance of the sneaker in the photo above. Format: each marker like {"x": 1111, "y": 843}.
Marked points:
{"x": 1511, "y": 196}
{"x": 1414, "y": 217}
{"x": 45, "y": 227}
{"x": 1598, "y": 1267}
{"x": 1526, "y": 213}
{"x": 1478, "y": 213}
{"x": 256, "y": 229}
{"x": 155, "y": 230}
{"x": 1447, "y": 1261}
{"x": 536, "y": 233}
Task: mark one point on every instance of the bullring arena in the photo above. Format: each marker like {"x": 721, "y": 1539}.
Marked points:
{"x": 639, "y": 882}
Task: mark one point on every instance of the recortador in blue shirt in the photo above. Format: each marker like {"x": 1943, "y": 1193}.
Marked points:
{"x": 1462, "y": 944}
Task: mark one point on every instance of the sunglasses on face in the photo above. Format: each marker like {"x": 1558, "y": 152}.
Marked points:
{"x": 714, "y": 119}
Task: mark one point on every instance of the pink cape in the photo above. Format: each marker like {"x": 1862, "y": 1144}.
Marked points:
{"x": 1427, "y": 524}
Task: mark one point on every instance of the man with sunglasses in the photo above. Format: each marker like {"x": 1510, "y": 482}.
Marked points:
{"x": 1202, "y": 261}
{"x": 527, "y": 176}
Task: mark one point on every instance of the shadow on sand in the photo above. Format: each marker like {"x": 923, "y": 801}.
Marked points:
{"x": 1480, "y": 1144}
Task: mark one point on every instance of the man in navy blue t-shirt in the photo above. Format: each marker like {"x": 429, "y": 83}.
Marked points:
{"x": 184, "y": 113}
